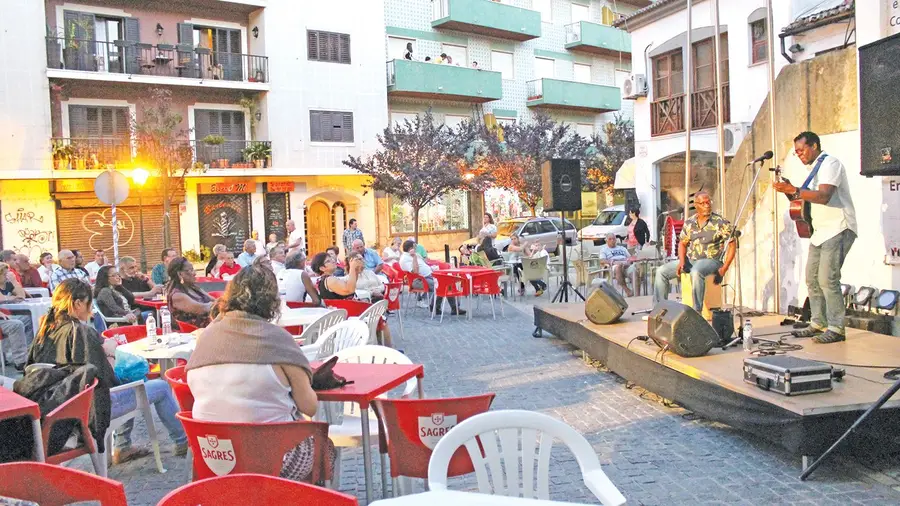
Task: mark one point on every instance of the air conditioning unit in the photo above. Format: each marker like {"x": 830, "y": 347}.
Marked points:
{"x": 734, "y": 136}
{"x": 635, "y": 86}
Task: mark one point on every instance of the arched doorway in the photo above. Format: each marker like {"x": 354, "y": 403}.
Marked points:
{"x": 318, "y": 221}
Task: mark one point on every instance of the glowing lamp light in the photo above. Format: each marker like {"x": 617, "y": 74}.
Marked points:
{"x": 139, "y": 176}
{"x": 469, "y": 176}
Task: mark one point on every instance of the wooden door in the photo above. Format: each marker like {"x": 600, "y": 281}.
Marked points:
{"x": 318, "y": 220}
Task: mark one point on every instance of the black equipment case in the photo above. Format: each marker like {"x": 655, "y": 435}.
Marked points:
{"x": 788, "y": 375}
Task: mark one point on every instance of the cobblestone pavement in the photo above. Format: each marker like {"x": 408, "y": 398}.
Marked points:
{"x": 655, "y": 454}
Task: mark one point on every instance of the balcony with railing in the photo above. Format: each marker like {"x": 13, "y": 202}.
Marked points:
{"x": 571, "y": 95}
{"x": 598, "y": 39}
{"x": 234, "y": 154}
{"x": 129, "y": 58}
{"x": 485, "y": 17}
{"x": 407, "y": 78}
{"x": 667, "y": 115}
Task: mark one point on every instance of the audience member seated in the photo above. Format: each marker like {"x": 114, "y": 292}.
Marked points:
{"x": 110, "y": 300}
{"x": 160, "y": 272}
{"x": 79, "y": 264}
{"x": 392, "y": 251}
{"x": 334, "y": 253}
{"x": 412, "y": 262}
{"x": 187, "y": 301}
{"x": 536, "y": 250}
{"x": 248, "y": 370}
{"x": 64, "y": 339}
{"x": 465, "y": 255}
{"x": 370, "y": 258}
{"x": 294, "y": 283}
{"x": 619, "y": 260}
{"x": 16, "y": 328}
{"x": 368, "y": 281}
{"x": 8, "y": 257}
{"x": 217, "y": 258}
{"x": 273, "y": 241}
{"x": 332, "y": 286}
{"x": 228, "y": 268}
{"x": 277, "y": 256}
{"x": 28, "y": 276}
{"x": 487, "y": 248}
{"x": 47, "y": 266}
{"x": 136, "y": 282}
{"x": 66, "y": 270}
{"x": 99, "y": 261}
{"x": 248, "y": 255}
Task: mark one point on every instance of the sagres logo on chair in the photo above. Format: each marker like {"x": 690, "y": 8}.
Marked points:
{"x": 217, "y": 453}
{"x": 433, "y": 428}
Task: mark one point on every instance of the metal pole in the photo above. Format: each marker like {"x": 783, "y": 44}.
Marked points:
{"x": 720, "y": 111}
{"x": 689, "y": 70}
{"x": 141, "y": 219}
{"x": 115, "y": 234}
{"x": 770, "y": 31}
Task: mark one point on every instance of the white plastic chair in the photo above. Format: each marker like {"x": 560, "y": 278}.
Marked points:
{"x": 345, "y": 429}
{"x": 118, "y": 320}
{"x": 345, "y": 334}
{"x": 536, "y": 269}
{"x": 142, "y": 407}
{"x": 312, "y": 331}
{"x": 37, "y": 292}
{"x": 500, "y": 433}
{"x": 372, "y": 316}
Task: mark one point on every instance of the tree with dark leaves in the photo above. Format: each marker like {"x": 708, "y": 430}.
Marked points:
{"x": 615, "y": 145}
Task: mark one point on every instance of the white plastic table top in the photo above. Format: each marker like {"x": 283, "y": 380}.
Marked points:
{"x": 37, "y": 307}
{"x": 457, "y": 498}
{"x": 301, "y": 316}
{"x": 180, "y": 346}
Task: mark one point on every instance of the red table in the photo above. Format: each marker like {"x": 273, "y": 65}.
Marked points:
{"x": 13, "y": 405}
{"x": 153, "y": 304}
{"x": 468, "y": 273}
{"x": 370, "y": 381}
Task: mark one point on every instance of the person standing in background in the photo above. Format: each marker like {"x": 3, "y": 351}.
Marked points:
{"x": 295, "y": 237}
{"x": 638, "y": 231}
{"x": 351, "y": 234}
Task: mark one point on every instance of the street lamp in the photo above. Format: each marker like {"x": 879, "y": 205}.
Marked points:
{"x": 139, "y": 176}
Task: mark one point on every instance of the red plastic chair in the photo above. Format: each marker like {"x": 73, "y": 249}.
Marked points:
{"x": 393, "y": 292}
{"x": 216, "y": 293}
{"x": 77, "y": 408}
{"x": 404, "y": 420}
{"x": 187, "y": 328}
{"x": 234, "y": 447}
{"x": 233, "y": 490}
{"x": 488, "y": 283}
{"x": 389, "y": 271}
{"x": 134, "y": 333}
{"x": 353, "y": 307}
{"x": 296, "y": 305}
{"x": 447, "y": 285}
{"x": 51, "y": 485}
{"x": 176, "y": 377}
{"x": 410, "y": 279}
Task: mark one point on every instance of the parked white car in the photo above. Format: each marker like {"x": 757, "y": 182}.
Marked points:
{"x": 530, "y": 229}
{"x": 610, "y": 220}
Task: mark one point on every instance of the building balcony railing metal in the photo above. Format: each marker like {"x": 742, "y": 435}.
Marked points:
{"x": 667, "y": 114}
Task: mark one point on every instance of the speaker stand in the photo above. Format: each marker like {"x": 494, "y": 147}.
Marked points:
{"x": 562, "y": 294}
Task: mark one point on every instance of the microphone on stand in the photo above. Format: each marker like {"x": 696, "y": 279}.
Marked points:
{"x": 763, "y": 157}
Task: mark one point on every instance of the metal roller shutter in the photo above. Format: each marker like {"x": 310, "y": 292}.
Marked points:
{"x": 89, "y": 228}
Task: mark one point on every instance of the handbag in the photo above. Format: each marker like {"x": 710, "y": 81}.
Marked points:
{"x": 324, "y": 377}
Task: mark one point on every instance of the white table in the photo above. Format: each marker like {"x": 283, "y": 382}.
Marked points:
{"x": 302, "y": 316}
{"x": 180, "y": 346}
{"x": 456, "y": 498}
{"x": 36, "y": 307}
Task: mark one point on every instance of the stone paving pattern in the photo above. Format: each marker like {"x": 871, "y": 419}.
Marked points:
{"x": 656, "y": 454}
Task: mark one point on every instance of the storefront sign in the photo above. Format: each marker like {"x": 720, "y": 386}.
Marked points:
{"x": 226, "y": 187}
{"x": 890, "y": 219}
{"x": 73, "y": 185}
{"x": 893, "y": 17}
{"x": 280, "y": 187}
{"x": 589, "y": 203}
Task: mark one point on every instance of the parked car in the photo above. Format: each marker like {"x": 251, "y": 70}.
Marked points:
{"x": 530, "y": 229}
{"x": 610, "y": 220}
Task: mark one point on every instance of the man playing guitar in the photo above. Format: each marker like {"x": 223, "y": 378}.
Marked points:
{"x": 834, "y": 230}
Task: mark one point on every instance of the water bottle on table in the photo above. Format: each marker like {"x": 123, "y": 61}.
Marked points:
{"x": 748, "y": 335}
{"x": 166, "y": 320}
{"x": 151, "y": 326}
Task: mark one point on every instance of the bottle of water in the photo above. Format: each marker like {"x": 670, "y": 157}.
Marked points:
{"x": 748, "y": 335}
{"x": 165, "y": 318}
{"x": 151, "y": 327}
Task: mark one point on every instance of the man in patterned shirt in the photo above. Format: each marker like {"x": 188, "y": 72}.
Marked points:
{"x": 351, "y": 234}
{"x": 66, "y": 270}
{"x": 699, "y": 252}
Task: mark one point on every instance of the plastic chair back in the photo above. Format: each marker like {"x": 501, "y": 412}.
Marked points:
{"x": 233, "y": 490}
{"x": 77, "y": 408}
{"x": 374, "y": 318}
{"x": 353, "y": 307}
{"x": 486, "y": 283}
{"x": 496, "y": 440}
{"x": 392, "y": 292}
{"x": 449, "y": 285}
{"x": 406, "y": 420}
{"x": 416, "y": 283}
{"x": 176, "y": 377}
{"x": 131, "y": 332}
{"x": 222, "y": 448}
{"x": 187, "y": 328}
{"x": 312, "y": 332}
{"x": 51, "y": 485}
{"x": 345, "y": 334}
{"x": 534, "y": 269}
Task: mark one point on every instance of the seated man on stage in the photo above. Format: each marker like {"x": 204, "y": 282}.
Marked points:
{"x": 618, "y": 259}
{"x": 699, "y": 251}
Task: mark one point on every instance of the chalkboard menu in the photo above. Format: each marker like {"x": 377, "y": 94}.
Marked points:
{"x": 224, "y": 219}
{"x": 277, "y": 207}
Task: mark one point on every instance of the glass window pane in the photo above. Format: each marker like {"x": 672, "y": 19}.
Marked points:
{"x": 580, "y": 13}
{"x": 704, "y": 78}
{"x": 677, "y": 83}
{"x": 503, "y": 62}
{"x": 703, "y": 53}
{"x": 582, "y": 73}
{"x": 446, "y": 213}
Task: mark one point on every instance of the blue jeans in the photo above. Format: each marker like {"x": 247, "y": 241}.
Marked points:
{"x": 159, "y": 394}
{"x": 699, "y": 270}
{"x": 823, "y": 281}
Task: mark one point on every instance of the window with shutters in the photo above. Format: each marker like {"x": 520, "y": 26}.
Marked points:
{"x": 328, "y": 46}
{"x": 330, "y": 126}
{"x": 759, "y": 49}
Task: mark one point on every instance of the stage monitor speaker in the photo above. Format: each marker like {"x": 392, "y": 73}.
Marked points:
{"x": 879, "y": 107}
{"x": 561, "y": 185}
{"x": 680, "y": 328}
{"x": 605, "y": 305}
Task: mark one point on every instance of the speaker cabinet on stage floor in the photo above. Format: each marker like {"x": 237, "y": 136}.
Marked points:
{"x": 561, "y": 185}
{"x": 681, "y": 328}
{"x": 605, "y": 305}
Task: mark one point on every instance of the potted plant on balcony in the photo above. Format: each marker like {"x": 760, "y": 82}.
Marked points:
{"x": 216, "y": 140}
{"x": 257, "y": 153}
{"x": 62, "y": 155}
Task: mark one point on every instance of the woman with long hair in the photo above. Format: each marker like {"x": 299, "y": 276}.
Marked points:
{"x": 489, "y": 229}
{"x": 638, "y": 231}
{"x": 111, "y": 300}
{"x": 246, "y": 369}
{"x": 331, "y": 285}
{"x": 187, "y": 301}
{"x": 66, "y": 338}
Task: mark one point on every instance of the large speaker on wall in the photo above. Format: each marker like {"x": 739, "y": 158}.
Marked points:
{"x": 879, "y": 107}
{"x": 605, "y": 305}
{"x": 680, "y": 328}
{"x": 561, "y": 185}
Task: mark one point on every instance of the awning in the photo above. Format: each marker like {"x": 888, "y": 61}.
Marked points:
{"x": 625, "y": 176}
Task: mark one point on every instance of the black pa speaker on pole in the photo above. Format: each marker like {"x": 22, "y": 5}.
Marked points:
{"x": 561, "y": 185}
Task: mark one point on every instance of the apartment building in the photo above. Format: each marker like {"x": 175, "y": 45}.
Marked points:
{"x": 503, "y": 62}
{"x": 272, "y": 96}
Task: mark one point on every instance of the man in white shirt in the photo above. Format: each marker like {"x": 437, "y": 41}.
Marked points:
{"x": 619, "y": 260}
{"x": 277, "y": 256}
{"x": 410, "y": 261}
{"x": 295, "y": 236}
{"x": 834, "y": 230}
{"x": 260, "y": 245}
{"x": 66, "y": 270}
{"x": 93, "y": 268}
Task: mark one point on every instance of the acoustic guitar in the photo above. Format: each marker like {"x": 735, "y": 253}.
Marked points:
{"x": 800, "y": 211}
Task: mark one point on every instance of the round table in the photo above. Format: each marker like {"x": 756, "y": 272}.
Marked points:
{"x": 301, "y": 316}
